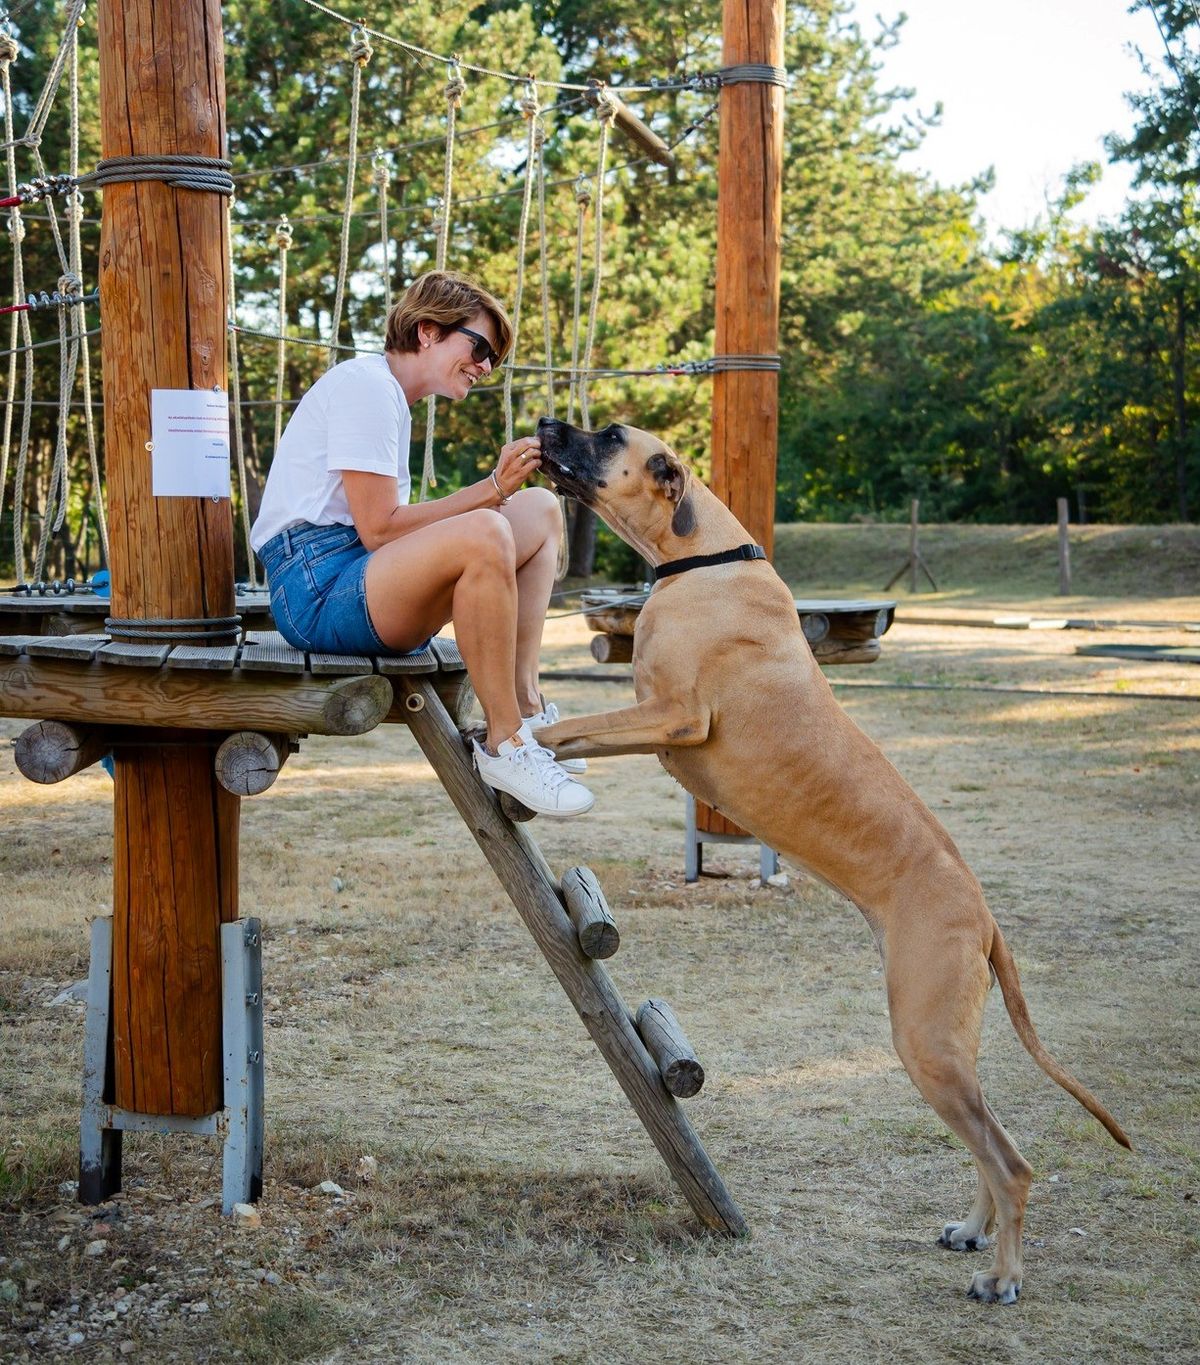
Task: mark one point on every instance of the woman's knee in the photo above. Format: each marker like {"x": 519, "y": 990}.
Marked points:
{"x": 544, "y": 505}
{"x": 490, "y": 536}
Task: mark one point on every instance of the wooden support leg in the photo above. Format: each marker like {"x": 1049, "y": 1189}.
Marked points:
{"x": 522, "y": 870}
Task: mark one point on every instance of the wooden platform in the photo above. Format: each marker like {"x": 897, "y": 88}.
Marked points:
{"x": 840, "y": 630}
{"x": 81, "y": 612}
{"x": 261, "y": 683}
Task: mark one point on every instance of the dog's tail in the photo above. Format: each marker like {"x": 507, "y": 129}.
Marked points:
{"x": 1018, "y": 1011}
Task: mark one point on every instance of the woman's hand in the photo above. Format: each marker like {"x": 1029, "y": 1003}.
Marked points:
{"x": 518, "y": 461}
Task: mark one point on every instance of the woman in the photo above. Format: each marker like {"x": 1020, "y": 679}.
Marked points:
{"x": 354, "y": 569}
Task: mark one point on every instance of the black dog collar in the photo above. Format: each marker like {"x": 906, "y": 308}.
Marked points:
{"x": 703, "y": 561}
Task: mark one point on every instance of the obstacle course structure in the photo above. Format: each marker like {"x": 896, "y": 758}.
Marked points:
{"x": 196, "y": 715}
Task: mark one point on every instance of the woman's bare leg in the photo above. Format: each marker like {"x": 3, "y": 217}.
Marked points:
{"x": 464, "y": 569}
{"x": 536, "y": 521}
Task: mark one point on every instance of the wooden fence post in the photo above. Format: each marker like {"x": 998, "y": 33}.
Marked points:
{"x": 1064, "y": 549}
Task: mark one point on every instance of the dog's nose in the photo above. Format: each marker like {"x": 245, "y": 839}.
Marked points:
{"x": 544, "y": 423}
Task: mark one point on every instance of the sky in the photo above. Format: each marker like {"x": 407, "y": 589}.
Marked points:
{"x": 1027, "y": 86}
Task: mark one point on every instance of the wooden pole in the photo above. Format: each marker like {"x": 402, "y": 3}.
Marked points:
{"x": 1064, "y": 549}
{"x": 745, "y": 423}
{"x": 914, "y": 545}
{"x": 163, "y": 289}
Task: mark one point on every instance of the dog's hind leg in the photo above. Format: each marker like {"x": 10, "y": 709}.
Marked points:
{"x": 936, "y": 1002}
{"x": 973, "y": 1233}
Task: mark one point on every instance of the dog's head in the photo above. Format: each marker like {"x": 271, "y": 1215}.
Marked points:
{"x": 630, "y": 478}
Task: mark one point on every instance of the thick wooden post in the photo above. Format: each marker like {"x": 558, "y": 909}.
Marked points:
{"x": 746, "y": 402}
{"x": 163, "y": 290}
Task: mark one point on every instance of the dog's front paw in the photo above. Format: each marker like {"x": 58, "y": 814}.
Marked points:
{"x": 960, "y": 1237}
{"x": 989, "y": 1288}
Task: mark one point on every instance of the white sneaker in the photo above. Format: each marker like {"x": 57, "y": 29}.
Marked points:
{"x": 525, "y": 770}
{"x": 548, "y": 715}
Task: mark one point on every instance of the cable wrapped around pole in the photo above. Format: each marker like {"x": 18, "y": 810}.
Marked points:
{"x": 360, "y": 53}
{"x": 235, "y": 397}
{"x": 605, "y": 112}
{"x": 456, "y": 88}
{"x": 529, "y": 107}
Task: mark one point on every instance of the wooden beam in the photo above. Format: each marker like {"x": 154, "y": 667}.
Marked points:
{"x": 37, "y": 689}
{"x": 52, "y": 751}
{"x": 668, "y": 1044}
{"x": 598, "y": 934}
{"x": 248, "y": 761}
{"x": 163, "y": 294}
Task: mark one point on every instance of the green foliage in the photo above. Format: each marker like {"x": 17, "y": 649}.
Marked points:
{"x": 917, "y": 360}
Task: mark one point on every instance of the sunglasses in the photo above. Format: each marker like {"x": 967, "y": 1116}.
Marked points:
{"x": 482, "y": 349}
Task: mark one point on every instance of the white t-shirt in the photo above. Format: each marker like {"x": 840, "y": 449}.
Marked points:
{"x": 354, "y": 417}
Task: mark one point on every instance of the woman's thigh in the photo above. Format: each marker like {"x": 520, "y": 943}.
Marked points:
{"x": 410, "y": 582}
{"x": 534, "y": 515}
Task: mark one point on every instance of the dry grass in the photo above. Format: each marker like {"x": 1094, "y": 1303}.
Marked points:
{"x": 519, "y": 1210}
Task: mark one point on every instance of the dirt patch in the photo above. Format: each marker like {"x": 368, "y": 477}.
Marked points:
{"x": 518, "y": 1209}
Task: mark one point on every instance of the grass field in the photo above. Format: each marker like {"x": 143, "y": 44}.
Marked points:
{"x": 993, "y": 563}
{"x": 518, "y": 1210}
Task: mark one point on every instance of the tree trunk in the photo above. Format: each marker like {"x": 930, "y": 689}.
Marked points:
{"x": 582, "y": 558}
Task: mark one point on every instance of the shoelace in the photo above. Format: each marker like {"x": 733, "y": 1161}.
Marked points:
{"x": 543, "y": 761}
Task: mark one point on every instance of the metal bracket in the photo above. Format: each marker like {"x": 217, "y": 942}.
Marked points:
{"x": 694, "y": 839}
{"x": 239, "y": 1124}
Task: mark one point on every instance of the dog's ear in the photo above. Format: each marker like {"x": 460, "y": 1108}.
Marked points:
{"x": 672, "y": 476}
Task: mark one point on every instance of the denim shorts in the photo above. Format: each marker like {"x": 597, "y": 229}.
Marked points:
{"x": 317, "y": 577}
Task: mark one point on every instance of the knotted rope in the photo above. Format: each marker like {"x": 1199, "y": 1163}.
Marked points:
{"x": 583, "y": 201}
{"x": 235, "y": 398}
{"x": 380, "y": 178}
{"x": 456, "y": 88}
{"x": 529, "y": 107}
{"x": 606, "y": 111}
{"x": 283, "y": 240}
{"x": 360, "y": 55}
{"x": 16, "y": 228}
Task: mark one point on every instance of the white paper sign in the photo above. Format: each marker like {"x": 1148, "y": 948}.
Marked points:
{"x": 190, "y": 431}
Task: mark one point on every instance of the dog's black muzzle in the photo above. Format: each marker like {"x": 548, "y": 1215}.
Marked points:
{"x": 576, "y": 461}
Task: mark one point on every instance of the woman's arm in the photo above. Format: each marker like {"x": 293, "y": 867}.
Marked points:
{"x": 378, "y": 518}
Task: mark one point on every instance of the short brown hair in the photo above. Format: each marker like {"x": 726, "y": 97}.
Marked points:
{"x": 447, "y": 299}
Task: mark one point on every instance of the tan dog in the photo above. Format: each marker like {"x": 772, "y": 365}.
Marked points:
{"x": 731, "y": 700}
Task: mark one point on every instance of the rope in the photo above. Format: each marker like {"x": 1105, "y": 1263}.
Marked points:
{"x": 59, "y": 488}
{"x": 606, "y": 111}
{"x": 702, "y": 81}
{"x": 8, "y": 54}
{"x": 360, "y": 53}
{"x": 74, "y": 215}
{"x": 206, "y": 173}
{"x": 283, "y": 240}
{"x": 235, "y": 390}
{"x": 529, "y": 107}
{"x": 456, "y": 88}
{"x": 583, "y": 200}
{"x": 41, "y": 110}
{"x": 564, "y": 547}
{"x": 379, "y": 177}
